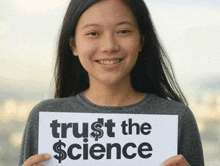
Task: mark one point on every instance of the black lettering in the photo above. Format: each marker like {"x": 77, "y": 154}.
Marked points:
{"x": 70, "y": 151}
{"x": 145, "y": 128}
{"x": 109, "y": 126}
{"x": 64, "y": 129}
{"x": 97, "y": 131}
{"x": 134, "y": 124}
{"x": 125, "y": 151}
{"x": 124, "y": 125}
{"x": 84, "y": 130}
{"x": 54, "y": 126}
{"x": 93, "y": 151}
{"x": 118, "y": 150}
{"x": 141, "y": 149}
{"x": 85, "y": 149}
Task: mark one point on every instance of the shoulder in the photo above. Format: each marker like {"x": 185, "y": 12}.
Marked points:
{"x": 186, "y": 118}
{"x": 55, "y": 105}
{"x": 161, "y": 105}
{"x": 166, "y": 102}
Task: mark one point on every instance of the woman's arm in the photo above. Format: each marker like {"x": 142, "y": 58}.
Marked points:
{"x": 189, "y": 143}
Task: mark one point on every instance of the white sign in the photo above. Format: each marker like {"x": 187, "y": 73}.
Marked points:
{"x": 92, "y": 139}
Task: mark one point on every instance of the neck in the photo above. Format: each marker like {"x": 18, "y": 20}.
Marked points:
{"x": 113, "y": 95}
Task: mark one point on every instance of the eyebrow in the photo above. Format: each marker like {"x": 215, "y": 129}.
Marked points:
{"x": 97, "y": 25}
{"x": 125, "y": 22}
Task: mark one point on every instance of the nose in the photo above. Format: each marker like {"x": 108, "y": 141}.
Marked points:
{"x": 109, "y": 43}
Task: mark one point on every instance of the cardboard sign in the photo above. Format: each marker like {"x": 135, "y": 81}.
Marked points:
{"x": 91, "y": 139}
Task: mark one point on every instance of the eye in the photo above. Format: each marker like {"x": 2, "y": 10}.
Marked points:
{"x": 124, "y": 32}
{"x": 93, "y": 34}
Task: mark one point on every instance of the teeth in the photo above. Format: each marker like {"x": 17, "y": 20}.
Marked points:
{"x": 109, "y": 62}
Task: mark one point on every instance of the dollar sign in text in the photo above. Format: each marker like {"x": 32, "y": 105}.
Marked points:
{"x": 57, "y": 149}
{"x": 97, "y": 131}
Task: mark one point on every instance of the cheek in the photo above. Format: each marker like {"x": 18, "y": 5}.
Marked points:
{"x": 86, "y": 54}
{"x": 86, "y": 50}
{"x": 132, "y": 47}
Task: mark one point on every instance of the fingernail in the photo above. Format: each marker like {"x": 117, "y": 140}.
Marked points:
{"x": 47, "y": 156}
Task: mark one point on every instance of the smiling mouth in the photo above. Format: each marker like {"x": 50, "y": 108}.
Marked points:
{"x": 109, "y": 62}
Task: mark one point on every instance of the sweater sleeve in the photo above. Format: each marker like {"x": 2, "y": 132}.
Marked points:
{"x": 29, "y": 146}
{"x": 189, "y": 143}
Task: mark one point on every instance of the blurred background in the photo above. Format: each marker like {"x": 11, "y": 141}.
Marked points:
{"x": 189, "y": 30}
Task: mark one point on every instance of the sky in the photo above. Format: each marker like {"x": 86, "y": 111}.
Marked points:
{"x": 202, "y": 3}
{"x": 189, "y": 31}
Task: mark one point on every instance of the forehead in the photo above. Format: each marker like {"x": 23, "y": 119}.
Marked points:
{"x": 107, "y": 12}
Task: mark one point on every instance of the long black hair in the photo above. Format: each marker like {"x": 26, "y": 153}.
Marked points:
{"x": 152, "y": 72}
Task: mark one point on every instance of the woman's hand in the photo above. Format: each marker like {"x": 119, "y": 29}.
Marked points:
{"x": 176, "y": 161}
{"x": 35, "y": 160}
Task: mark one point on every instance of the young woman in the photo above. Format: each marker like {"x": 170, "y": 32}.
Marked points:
{"x": 110, "y": 60}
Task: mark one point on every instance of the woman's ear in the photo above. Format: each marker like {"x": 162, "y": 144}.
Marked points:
{"x": 73, "y": 46}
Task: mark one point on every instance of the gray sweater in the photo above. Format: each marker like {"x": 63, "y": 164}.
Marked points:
{"x": 189, "y": 143}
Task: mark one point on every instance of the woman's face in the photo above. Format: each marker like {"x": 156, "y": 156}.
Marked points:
{"x": 107, "y": 42}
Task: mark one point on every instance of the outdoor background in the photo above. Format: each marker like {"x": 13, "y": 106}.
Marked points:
{"x": 189, "y": 30}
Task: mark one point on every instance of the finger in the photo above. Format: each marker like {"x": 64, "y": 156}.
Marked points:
{"x": 36, "y": 159}
{"x": 37, "y": 165}
{"x": 176, "y": 160}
